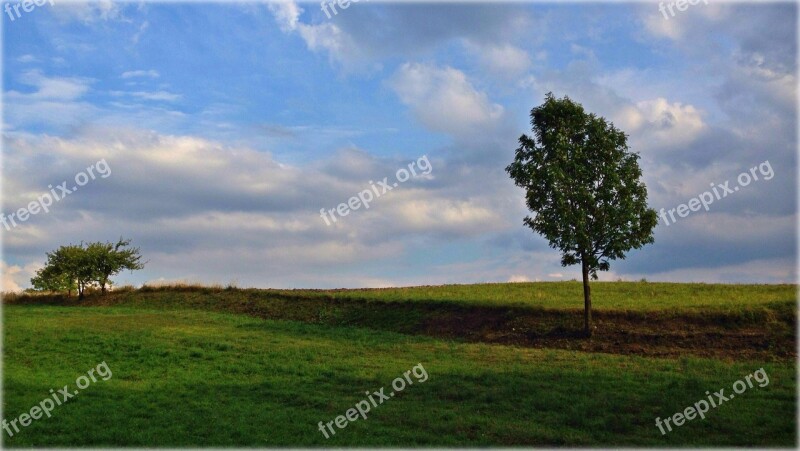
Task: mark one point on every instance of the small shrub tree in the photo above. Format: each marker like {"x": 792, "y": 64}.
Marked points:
{"x": 77, "y": 267}
{"x": 109, "y": 259}
{"x": 50, "y": 279}
{"x": 71, "y": 263}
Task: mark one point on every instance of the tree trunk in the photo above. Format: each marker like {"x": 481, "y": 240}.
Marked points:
{"x": 587, "y": 301}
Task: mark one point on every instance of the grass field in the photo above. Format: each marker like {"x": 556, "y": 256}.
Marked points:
{"x": 635, "y": 296}
{"x": 208, "y": 367}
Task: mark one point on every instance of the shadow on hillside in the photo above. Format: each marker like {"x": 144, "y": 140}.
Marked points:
{"x": 767, "y": 333}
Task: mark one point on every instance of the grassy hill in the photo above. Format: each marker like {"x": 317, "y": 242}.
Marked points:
{"x": 199, "y": 366}
{"x": 632, "y": 296}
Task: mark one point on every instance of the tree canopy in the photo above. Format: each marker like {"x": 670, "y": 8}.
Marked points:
{"x": 76, "y": 267}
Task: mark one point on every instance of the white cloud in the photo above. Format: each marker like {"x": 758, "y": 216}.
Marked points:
{"x": 660, "y": 27}
{"x": 505, "y": 60}
{"x": 140, "y": 73}
{"x": 327, "y": 37}
{"x": 444, "y": 100}
{"x": 363, "y": 35}
{"x": 145, "y": 95}
{"x": 54, "y": 101}
{"x": 324, "y": 37}
{"x": 15, "y": 276}
{"x": 415, "y": 211}
{"x": 660, "y": 123}
{"x": 585, "y": 52}
{"x": 89, "y": 12}
{"x": 287, "y": 14}
{"x": 27, "y": 59}
{"x": 138, "y": 35}
{"x": 682, "y": 24}
{"x": 51, "y": 88}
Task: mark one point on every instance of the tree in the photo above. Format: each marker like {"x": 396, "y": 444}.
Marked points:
{"x": 50, "y": 279}
{"x": 81, "y": 266}
{"x": 71, "y": 262}
{"x": 584, "y": 189}
{"x": 109, "y": 259}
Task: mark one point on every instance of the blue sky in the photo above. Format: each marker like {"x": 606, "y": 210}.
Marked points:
{"x": 227, "y": 127}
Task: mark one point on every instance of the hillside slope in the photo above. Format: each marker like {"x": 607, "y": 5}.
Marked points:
{"x": 744, "y": 321}
{"x": 191, "y": 377}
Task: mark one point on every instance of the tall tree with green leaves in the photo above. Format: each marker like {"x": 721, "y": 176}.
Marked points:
{"x": 584, "y": 188}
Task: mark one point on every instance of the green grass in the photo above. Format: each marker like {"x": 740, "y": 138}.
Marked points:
{"x": 633, "y": 296}
{"x": 646, "y": 297}
{"x": 186, "y": 377}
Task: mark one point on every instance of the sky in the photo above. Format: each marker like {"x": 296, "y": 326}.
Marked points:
{"x": 217, "y": 132}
